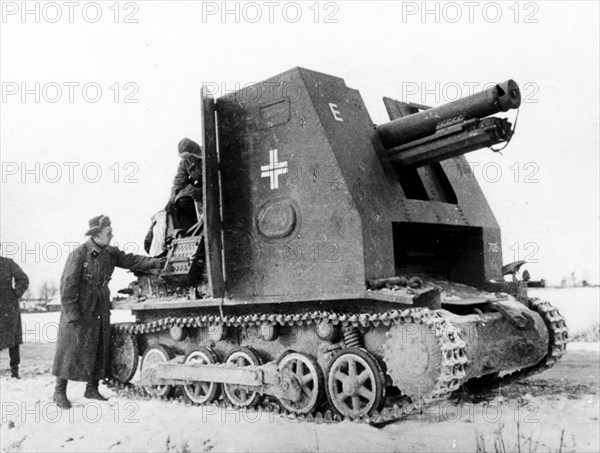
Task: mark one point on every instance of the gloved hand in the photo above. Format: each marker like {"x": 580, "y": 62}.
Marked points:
{"x": 170, "y": 207}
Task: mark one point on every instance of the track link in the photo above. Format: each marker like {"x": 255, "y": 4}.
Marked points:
{"x": 451, "y": 376}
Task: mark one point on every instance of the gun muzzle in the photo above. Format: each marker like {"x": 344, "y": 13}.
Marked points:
{"x": 499, "y": 98}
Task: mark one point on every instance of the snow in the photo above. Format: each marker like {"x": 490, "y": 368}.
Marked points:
{"x": 31, "y": 422}
{"x": 580, "y": 346}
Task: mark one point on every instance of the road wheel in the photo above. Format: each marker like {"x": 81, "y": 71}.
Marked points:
{"x": 239, "y": 395}
{"x": 309, "y": 375}
{"x": 201, "y": 392}
{"x": 355, "y": 383}
{"x": 157, "y": 354}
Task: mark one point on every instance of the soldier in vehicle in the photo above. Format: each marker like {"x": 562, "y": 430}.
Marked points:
{"x": 82, "y": 349}
{"x": 185, "y": 202}
{"x": 10, "y": 317}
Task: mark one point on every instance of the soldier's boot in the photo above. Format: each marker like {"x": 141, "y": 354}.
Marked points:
{"x": 91, "y": 392}
{"x": 60, "y": 394}
{"x": 15, "y": 360}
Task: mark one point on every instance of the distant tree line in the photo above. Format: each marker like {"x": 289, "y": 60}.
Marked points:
{"x": 574, "y": 281}
{"x": 44, "y": 293}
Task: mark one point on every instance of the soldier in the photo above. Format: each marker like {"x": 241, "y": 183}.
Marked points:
{"x": 185, "y": 203}
{"x": 10, "y": 316}
{"x": 82, "y": 349}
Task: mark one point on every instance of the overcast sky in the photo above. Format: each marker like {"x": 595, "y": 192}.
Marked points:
{"x": 119, "y": 86}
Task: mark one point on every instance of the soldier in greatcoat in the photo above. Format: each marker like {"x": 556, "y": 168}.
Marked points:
{"x": 185, "y": 202}
{"x": 10, "y": 316}
{"x": 82, "y": 349}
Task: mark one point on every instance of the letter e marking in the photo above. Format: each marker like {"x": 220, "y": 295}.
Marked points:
{"x": 335, "y": 112}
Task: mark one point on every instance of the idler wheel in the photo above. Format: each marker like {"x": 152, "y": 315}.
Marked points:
{"x": 124, "y": 356}
{"x": 201, "y": 392}
{"x": 414, "y": 359}
{"x": 157, "y": 354}
{"x": 310, "y": 377}
{"x": 355, "y": 383}
{"x": 239, "y": 395}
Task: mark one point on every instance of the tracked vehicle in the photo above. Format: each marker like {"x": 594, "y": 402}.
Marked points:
{"x": 341, "y": 269}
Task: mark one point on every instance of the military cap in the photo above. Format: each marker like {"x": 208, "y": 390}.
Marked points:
{"x": 189, "y": 146}
{"x": 97, "y": 224}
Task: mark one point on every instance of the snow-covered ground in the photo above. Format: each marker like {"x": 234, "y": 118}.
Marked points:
{"x": 561, "y": 403}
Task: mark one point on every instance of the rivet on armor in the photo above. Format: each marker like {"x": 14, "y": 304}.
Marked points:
{"x": 177, "y": 333}
{"x": 327, "y": 331}
{"x": 267, "y": 331}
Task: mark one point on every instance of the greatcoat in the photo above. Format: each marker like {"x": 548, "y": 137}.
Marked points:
{"x": 83, "y": 345}
{"x": 10, "y": 315}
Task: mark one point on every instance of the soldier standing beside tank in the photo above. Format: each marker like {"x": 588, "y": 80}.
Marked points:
{"x": 82, "y": 349}
{"x": 185, "y": 203}
{"x": 10, "y": 316}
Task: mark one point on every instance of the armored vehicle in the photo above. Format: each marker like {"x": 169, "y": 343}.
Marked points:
{"x": 341, "y": 269}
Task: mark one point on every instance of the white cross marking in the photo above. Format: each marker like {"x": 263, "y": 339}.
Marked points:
{"x": 274, "y": 169}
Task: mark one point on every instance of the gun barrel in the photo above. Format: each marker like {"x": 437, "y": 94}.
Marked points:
{"x": 499, "y": 98}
